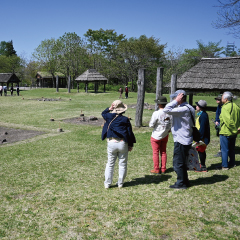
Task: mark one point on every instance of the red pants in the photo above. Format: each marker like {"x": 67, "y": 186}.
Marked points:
{"x": 159, "y": 146}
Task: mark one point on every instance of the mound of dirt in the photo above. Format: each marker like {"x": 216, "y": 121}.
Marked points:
{"x": 11, "y": 135}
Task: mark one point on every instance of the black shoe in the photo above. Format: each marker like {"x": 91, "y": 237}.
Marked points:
{"x": 219, "y": 154}
{"x": 232, "y": 166}
{"x": 177, "y": 187}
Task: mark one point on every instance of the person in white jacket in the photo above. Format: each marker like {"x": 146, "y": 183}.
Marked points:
{"x": 161, "y": 124}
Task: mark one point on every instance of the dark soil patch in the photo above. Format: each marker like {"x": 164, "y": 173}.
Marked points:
{"x": 100, "y": 121}
{"x": 11, "y": 135}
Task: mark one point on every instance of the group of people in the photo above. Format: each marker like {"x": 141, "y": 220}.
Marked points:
{"x": 121, "y": 92}
{"x": 3, "y": 89}
{"x": 177, "y": 117}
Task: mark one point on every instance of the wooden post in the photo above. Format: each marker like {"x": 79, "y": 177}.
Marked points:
{"x": 86, "y": 87}
{"x": 140, "y": 99}
{"x": 191, "y": 98}
{"x": 159, "y": 85}
{"x": 69, "y": 84}
{"x": 57, "y": 83}
{"x": 173, "y": 84}
{"x": 104, "y": 87}
{"x": 78, "y": 87}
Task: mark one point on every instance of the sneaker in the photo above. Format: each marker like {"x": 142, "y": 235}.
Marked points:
{"x": 219, "y": 154}
{"x": 155, "y": 172}
{"x": 106, "y": 186}
{"x": 225, "y": 168}
{"x": 119, "y": 186}
{"x": 177, "y": 187}
{"x": 222, "y": 168}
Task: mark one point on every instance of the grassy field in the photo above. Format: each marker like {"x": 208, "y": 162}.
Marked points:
{"x": 52, "y": 185}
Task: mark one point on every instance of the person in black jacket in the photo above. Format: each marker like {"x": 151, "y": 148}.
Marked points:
{"x": 217, "y": 120}
{"x": 202, "y": 124}
{"x": 118, "y": 131}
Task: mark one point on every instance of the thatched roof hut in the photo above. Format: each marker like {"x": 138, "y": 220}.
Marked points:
{"x": 8, "y": 78}
{"x": 91, "y": 75}
{"x": 45, "y": 79}
{"x": 212, "y": 74}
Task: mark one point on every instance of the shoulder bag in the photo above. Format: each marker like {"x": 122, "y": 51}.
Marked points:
{"x": 196, "y": 134}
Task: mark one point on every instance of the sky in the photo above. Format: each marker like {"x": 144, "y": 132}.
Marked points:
{"x": 178, "y": 24}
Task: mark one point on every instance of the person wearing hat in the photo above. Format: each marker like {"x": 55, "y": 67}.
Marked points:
{"x": 217, "y": 120}
{"x": 181, "y": 129}
{"x": 120, "y": 139}
{"x": 202, "y": 124}
{"x": 161, "y": 124}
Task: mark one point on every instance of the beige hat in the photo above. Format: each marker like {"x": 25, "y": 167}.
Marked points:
{"x": 119, "y": 107}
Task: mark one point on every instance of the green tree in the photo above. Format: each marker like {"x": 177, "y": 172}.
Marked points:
{"x": 142, "y": 52}
{"x": 72, "y": 55}
{"x": 191, "y": 57}
{"x": 7, "y": 49}
{"x": 46, "y": 55}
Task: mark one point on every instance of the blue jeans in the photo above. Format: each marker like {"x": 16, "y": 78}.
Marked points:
{"x": 180, "y": 156}
{"x": 228, "y": 149}
{"x": 120, "y": 150}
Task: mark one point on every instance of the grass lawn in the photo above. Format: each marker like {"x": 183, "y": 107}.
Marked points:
{"x": 51, "y": 186}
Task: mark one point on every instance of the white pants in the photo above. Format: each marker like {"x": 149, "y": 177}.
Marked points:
{"x": 120, "y": 150}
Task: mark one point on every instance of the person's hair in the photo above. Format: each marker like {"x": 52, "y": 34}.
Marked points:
{"x": 184, "y": 98}
{"x": 162, "y": 105}
{"x": 228, "y": 96}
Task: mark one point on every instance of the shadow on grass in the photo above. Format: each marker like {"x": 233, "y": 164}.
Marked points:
{"x": 214, "y": 166}
{"x": 209, "y": 180}
{"x": 147, "y": 179}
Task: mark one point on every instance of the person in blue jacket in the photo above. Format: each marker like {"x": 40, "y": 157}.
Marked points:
{"x": 120, "y": 139}
{"x": 217, "y": 120}
{"x": 202, "y": 124}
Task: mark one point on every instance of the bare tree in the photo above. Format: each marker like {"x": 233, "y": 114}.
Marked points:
{"x": 229, "y": 16}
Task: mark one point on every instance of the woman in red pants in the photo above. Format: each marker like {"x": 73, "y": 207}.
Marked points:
{"x": 161, "y": 122}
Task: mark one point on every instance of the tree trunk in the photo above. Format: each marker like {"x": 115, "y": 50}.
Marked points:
{"x": 140, "y": 99}
{"x": 57, "y": 84}
{"x": 173, "y": 84}
{"x": 69, "y": 84}
{"x": 159, "y": 85}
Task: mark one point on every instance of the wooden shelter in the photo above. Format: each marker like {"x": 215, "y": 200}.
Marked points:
{"x": 211, "y": 74}
{"x": 45, "y": 79}
{"x": 8, "y": 78}
{"x": 91, "y": 75}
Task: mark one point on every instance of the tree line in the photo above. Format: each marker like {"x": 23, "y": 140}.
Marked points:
{"x": 113, "y": 55}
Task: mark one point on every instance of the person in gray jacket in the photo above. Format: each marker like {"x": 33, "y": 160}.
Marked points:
{"x": 181, "y": 129}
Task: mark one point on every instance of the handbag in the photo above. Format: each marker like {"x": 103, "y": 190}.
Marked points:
{"x": 195, "y": 133}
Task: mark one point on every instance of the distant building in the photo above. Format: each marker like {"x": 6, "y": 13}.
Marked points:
{"x": 8, "y": 78}
{"x": 46, "y": 80}
{"x": 91, "y": 75}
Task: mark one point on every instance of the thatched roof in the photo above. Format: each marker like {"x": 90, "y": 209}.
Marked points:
{"x": 91, "y": 75}
{"x": 48, "y": 75}
{"x": 212, "y": 74}
{"x": 9, "y": 78}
